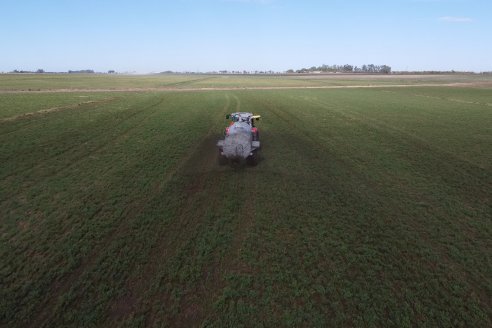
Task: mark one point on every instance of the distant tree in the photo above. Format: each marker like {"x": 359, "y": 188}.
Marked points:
{"x": 371, "y": 68}
{"x": 111, "y": 71}
{"x": 39, "y": 71}
{"x": 86, "y": 71}
{"x": 347, "y": 68}
{"x": 385, "y": 69}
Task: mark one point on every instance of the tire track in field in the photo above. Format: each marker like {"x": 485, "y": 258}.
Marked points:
{"x": 201, "y": 160}
{"x": 96, "y": 136}
{"x": 238, "y": 103}
{"x": 26, "y": 117}
{"x": 192, "y": 312}
{"x": 75, "y": 160}
{"x": 171, "y": 233}
{"x": 197, "y": 303}
{"x": 188, "y": 223}
{"x": 82, "y": 142}
{"x": 372, "y": 193}
{"x": 246, "y": 222}
{"x": 372, "y": 190}
{"x": 394, "y": 131}
{"x": 459, "y": 101}
{"x": 190, "y": 81}
{"x": 56, "y": 109}
{"x": 423, "y": 144}
{"x": 59, "y": 288}
{"x": 308, "y": 152}
{"x": 88, "y": 198}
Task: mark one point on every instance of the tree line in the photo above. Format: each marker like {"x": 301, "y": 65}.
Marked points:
{"x": 39, "y": 71}
{"x": 83, "y": 71}
{"x": 370, "y": 68}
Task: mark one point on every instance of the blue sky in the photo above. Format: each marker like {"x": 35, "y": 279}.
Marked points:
{"x": 203, "y": 35}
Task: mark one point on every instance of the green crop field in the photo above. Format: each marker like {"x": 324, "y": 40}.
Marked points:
{"x": 369, "y": 206}
{"x": 104, "y": 82}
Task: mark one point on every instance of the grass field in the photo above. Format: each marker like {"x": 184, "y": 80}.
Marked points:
{"x": 47, "y": 82}
{"x": 369, "y": 207}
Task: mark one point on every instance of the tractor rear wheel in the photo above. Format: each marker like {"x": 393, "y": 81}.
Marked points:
{"x": 221, "y": 159}
{"x": 252, "y": 160}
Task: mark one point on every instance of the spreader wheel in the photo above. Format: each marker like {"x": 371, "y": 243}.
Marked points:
{"x": 252, "y": 160}
{"x": 221, "y": 159}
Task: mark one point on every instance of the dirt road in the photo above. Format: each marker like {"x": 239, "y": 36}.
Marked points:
{"x": 464, "y": 84}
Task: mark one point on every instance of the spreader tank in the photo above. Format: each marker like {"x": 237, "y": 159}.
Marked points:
{"x": 240, "y": 139}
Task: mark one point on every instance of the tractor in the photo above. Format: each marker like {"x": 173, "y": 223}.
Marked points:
{"x": 241, "y": 139}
